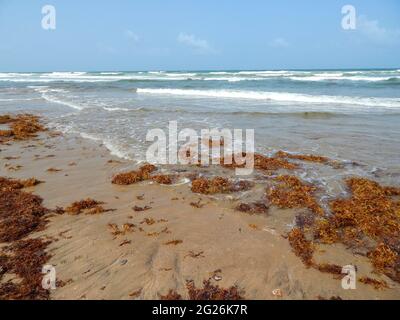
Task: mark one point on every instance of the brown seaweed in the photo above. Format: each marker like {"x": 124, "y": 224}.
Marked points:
{"x": 302, "y": 157}
{"x": 79, "y": 206}
{"x": 126, "y": 228}
{"x": 302, "y": 247}
{"x": 369, "y": 216}
{"x": 4, "y": 119}
{"x": 377, "y": 284}
{"x": 132, "y": 177}
{"x": 22, "y": 126}
{"x": 197, "y": 204}
{"x": 173, "y": 242}
{"x": 125, "y": 242}
{"x": 148, "y": 221}
{"x": 171, "y": 295}
{"x": 324, "y": 232}
{"x": 261, "y": 162}
{"x": 368, "y": 221}
{"x": 21, "y": 213}
{"x": 212, "y": 292}
{"x": 25, "y": 259}
{"x": 136, "y": 293}
{"x": 329, "y": 268}
{"x": 218, "y": 185}
{"x": 254, "y": 226}
{"x": 253, "y": 208}
{"x": 6, "y": 133}
{"x": 291, "y": 192}
{"x": 15, "y": 184}
{"x": 96, "y": 210}
{"x": 383, "y": 258}
{"x": 140, "y": 209}
{"x": 162, "y": 179}
{"x": 195, "y": 255}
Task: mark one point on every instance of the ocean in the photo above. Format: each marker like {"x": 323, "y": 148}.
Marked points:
{"x": 348, "y": 115}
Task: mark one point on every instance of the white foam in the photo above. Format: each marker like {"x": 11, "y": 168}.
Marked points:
{"x": 44, "y": 90}
{"x": 280, "y": 72}
{"x": 114, "y": 149}
{"x": 231, "y": 76}
{"x": 231, "y": 79}
{"x": 64, "y": 74}
{"x": 327, "y": 77}
{"x": 37, "y": 87}
{"x": 220, "y": 72}
{"x": 18, "y": 99}
{"x": 278, "y": 96}
{"x": 63, "y": 102}
{"x": 115, "y": 109}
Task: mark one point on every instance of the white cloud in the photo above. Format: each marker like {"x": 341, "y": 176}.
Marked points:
{"x": 279, "y": 43}
{"x": 372, "y": 30}
{"x": 131, "y": 35}
{"x": 190, "y": 40}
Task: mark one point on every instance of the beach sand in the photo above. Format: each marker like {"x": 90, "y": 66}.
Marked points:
{"x": 214, "y": 241}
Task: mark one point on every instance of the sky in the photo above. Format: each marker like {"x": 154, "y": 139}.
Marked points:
{"x": 125, "y": 35}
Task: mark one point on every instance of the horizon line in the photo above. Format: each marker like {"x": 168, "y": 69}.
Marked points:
{"x": 205, "y": 70}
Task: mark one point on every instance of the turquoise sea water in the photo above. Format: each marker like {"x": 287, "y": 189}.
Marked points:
{"x": 351, "y": 115}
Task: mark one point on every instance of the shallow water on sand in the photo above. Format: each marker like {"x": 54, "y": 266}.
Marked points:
{"x": 348, "y": 115}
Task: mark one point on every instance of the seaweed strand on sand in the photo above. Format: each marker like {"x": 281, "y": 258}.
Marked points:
{"x": 132, "y": 177}
{"x": 21, "y": 127}
{"x": 87, "y": 204}
{"x": 303, "y": 157}
{"x": 261, "y": 162}
{"x": 291, "y": 192}
{"x": 218, "y": 185}
{"x": 22, "y": 214}
{"x": 367, "y": 221}
{"x": 207, "y": 292}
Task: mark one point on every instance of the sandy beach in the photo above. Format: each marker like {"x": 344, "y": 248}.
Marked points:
{"x": 153, "y": 241}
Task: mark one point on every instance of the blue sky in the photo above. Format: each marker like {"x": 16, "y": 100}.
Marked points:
{"x": 198, "y": 35}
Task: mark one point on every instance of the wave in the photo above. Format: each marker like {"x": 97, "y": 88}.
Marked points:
{"x": 110, "y": 73}
{"x": 58, "y": 101}
{"x": 14, "y": 74}
{"x": 229, "y": 76}
{"x": 231, "y": 79}
{"x": 116, "y": 109}
{"x": 289, "y": 113}
{"x": 344, "y": 78}
{"x": 280, "y": 72}
{"x": 110, "y": 145}
{"x": 64, "y": 74}
{"x": 18, "y": 99}
{"x": 44, "y": 94}
{"x": 278, "y": 97}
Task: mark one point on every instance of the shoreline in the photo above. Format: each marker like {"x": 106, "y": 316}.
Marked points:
{"x": 179, "y": 237}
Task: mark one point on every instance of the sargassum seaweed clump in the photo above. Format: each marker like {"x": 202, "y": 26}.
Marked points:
{"x": 22, "y": 127}
{"x": 302, "y": 157}
{"x": 218, "y": 185}
{"x": 291, "y": 192}
{"x": 21, "y": 214}
{"x": 367, "y": 221}
{"x": 88, "y": 204}
{"x": 261, "y": 162}
{"x": 132, "y": 177}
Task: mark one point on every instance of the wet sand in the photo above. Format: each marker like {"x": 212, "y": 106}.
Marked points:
{"x": 214, "y": 241}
